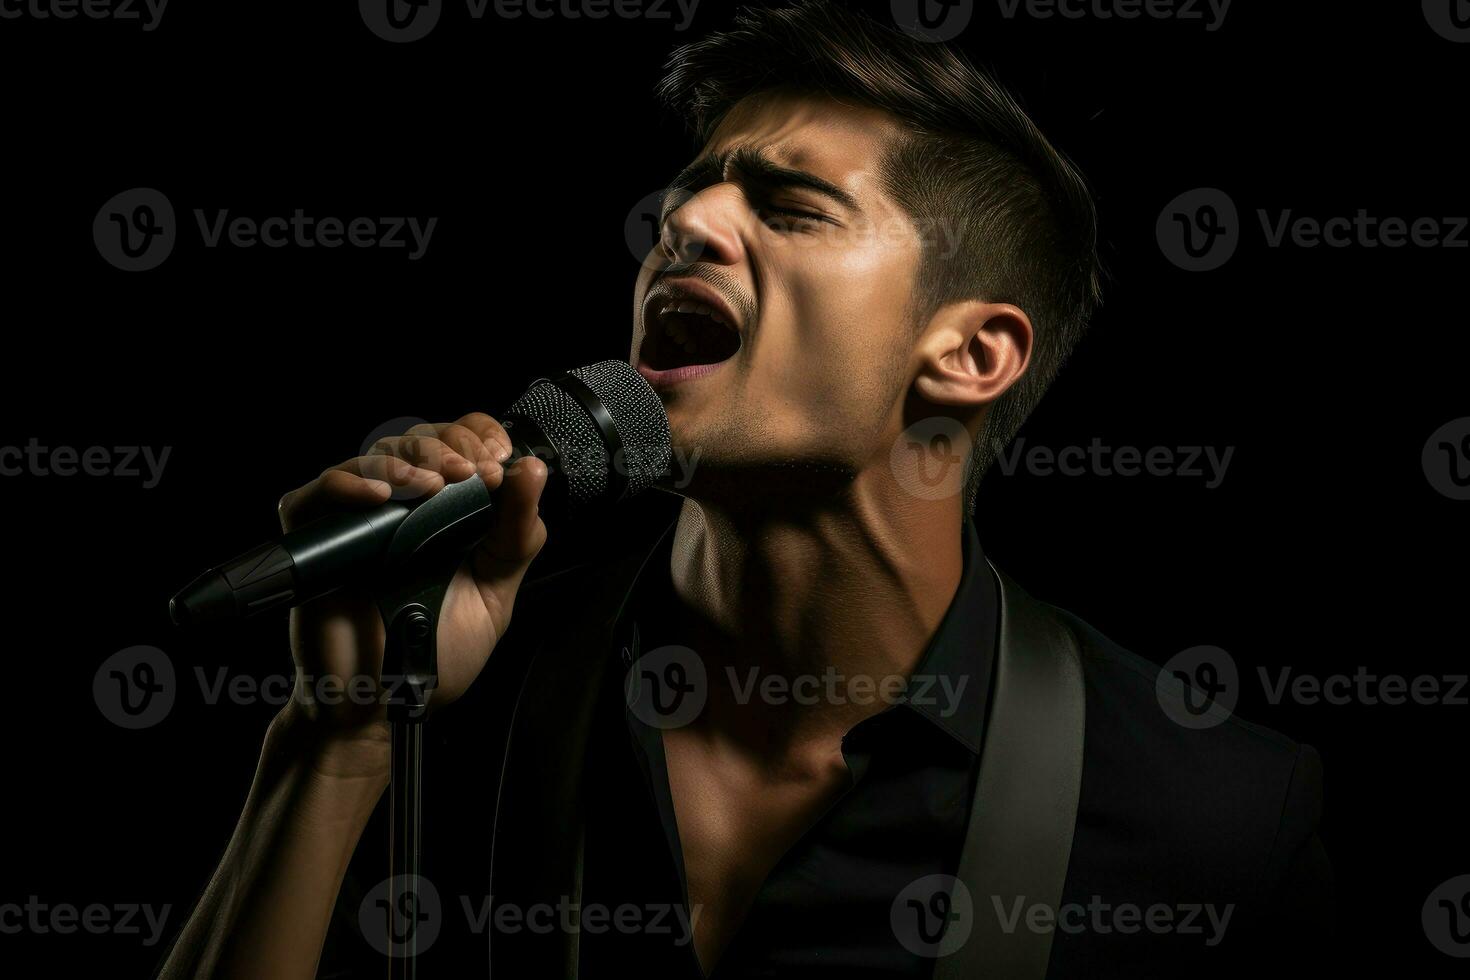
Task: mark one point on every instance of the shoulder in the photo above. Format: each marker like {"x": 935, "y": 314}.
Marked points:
{"x": 1214, "y": 797}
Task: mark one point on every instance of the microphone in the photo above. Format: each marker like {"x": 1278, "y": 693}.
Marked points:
{"x": 600, "y": 429}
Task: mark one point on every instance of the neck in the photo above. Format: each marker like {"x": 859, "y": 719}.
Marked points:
{"x": 852, "y": 589}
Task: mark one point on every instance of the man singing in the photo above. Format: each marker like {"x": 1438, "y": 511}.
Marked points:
{"x": 791, "y": 727}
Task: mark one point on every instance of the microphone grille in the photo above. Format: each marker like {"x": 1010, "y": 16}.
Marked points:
{"x": 637, "y": 415}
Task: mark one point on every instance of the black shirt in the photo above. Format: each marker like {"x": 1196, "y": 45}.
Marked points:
{"x": 835, "y": 904}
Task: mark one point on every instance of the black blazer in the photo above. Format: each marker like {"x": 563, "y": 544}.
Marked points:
{"x": 1195, "y": 851}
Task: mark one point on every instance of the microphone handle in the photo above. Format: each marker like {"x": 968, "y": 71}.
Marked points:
{"x": 338, "y": 549}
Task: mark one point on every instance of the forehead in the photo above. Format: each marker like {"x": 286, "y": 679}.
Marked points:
{"x": 840, "y": 142}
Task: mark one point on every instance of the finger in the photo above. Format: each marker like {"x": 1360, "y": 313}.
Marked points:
{"x": 426, "y": 452}
{"x": 410, "y": 479}
{"x": 335, "y": 489}
{"x": 488, "y": 431}
{"x": 468, "y": 443}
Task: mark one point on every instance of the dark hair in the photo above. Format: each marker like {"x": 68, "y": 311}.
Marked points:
{"x": 971, "y": 164}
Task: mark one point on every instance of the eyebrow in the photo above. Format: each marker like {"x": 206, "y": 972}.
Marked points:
{"x": 752, "y": 166}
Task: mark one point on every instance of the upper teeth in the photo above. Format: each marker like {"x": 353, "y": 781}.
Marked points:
{"x": 689, "y": 306}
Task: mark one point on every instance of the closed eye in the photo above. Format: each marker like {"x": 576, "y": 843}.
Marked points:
{"x": 794, "y": 216}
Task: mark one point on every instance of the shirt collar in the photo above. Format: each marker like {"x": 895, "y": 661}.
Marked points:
{"x": 950, "y": 686}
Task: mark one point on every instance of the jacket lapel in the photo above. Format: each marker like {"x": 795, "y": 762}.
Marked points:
{"x": 1019, "y": 840}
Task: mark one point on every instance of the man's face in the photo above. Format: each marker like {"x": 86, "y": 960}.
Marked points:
{"x": 782, "y": 230}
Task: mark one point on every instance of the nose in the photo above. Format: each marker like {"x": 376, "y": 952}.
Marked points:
{"x": 705, "y": 228}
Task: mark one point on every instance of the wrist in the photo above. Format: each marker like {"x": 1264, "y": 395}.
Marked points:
{"x": 359, "y": 755}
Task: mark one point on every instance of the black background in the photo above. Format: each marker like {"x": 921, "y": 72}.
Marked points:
{"x": 1325, "y": 548}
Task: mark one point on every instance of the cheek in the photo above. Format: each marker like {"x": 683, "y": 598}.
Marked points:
{"x": 827, "y": 382}
{"x": 849, "y": 309}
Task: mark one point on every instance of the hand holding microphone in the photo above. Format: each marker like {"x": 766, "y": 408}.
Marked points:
{"x": 569, "y": 444}
{"x": 341, "y": 635}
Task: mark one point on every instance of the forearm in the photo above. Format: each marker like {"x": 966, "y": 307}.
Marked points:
{"x": 266, "y": 910}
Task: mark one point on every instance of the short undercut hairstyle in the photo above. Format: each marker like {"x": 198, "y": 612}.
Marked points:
{"x": 1002, "y": 216}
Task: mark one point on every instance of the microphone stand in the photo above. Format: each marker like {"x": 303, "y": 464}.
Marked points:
{"x": 420, "y": 563}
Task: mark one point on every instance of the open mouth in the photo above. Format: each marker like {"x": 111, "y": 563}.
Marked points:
{"x": 684, "y": 336}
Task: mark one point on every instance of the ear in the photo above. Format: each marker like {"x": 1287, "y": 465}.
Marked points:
{"x": 971, "y": 352}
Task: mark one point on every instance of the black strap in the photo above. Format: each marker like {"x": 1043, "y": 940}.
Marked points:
{"x": 1025, "y": 807}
